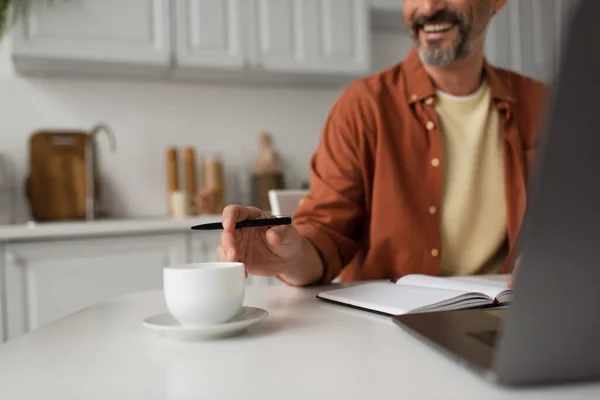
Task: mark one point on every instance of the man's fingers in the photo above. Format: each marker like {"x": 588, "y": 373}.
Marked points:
{"x": 281, "y": 235}
{"x": 233, "y": 214}
{"x": 228, "y": 240}
{"x": 221, "y": 253}
{"x": 227, "y": 254}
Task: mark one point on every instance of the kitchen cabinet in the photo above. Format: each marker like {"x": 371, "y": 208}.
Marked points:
{"x": 307, "y": 36}
{"x": 203, "y": 246}
{"x": 272, "y": 40}
{"x": 97, "y": 36}
{"x": 225, "y": 40}
{"x": 209, "y": 34}
{"x": 47, "y": 280}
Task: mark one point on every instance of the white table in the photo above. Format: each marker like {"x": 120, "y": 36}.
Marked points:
{"x": 305, "y": 349}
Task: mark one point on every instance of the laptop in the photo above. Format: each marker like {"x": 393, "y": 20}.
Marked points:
{"x": 551, "y": 332}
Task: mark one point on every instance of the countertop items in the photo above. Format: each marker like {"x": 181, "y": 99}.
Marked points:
{"x": 211, "y": 199}
{"x": 267, "y": 174}
{"x": 180, "y": 204}
{"x": 63, "y": 175}
{"x": 56, "y": 181}
{"x": 104, "y": 351}
{"x": 184, "y": 198}
{"x": 191, "y": 181}
{"x": 93, "y": 204}
{"x": 172, "y": 177}
{"x": 268, "y": 161}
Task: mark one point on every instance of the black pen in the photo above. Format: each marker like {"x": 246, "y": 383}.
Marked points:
{"x": 249, "y": 223}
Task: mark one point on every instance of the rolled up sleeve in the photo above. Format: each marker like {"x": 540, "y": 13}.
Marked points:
{"x": 332, "y": 216}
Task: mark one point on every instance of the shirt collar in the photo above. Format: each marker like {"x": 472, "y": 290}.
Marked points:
{"x": 420, "y": 87}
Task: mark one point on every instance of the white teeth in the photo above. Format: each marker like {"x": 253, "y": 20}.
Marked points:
{"x": 437, "y": 27}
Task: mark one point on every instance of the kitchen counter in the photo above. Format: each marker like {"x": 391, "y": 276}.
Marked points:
{"x": 55, "y": 230}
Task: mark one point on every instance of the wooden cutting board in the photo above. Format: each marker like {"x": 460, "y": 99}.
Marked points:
{"x": 56, "y": 182}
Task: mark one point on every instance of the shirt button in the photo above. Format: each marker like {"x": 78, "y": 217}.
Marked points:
{"x": 429, "y": 125}
{"x": 429, "y": 101}
{"x": 432, "y": 210}
{"x": 435, "y": 252}
{"x": 435, "y": 162}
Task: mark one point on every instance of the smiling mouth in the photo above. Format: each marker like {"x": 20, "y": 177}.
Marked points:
{"x": 438, "y": 28}
{"x": 439, "y": 23}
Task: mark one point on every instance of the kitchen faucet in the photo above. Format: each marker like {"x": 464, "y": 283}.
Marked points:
{"x": 91, "y": 166}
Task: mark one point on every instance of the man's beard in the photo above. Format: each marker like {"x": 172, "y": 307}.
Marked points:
{"x": 434, "y": 54}
{"x": 442, "y": 57}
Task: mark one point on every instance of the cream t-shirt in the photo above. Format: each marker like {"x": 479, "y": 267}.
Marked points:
{"x": 473, "y": 209}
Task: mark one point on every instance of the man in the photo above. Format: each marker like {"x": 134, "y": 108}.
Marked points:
{"x": 421, "y": 168}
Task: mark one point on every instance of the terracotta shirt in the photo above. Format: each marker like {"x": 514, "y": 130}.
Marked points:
{"x": 379, "y": 169}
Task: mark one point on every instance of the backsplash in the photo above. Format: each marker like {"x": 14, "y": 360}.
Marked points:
{"x": 148, "y": 117}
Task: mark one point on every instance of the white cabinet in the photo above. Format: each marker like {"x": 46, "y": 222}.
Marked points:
{"x": 305, "y": 36}
{"x": 272, "y": 40}
{"x": 203, "y": 246}
{"x": 281, "y": 34}
{"x": 228, "y": 40}
{"x": 344, "y": 42}
{"x": 209, "y": 34}
{"x": 47, "y": 280}
{"x": 131, "y": 36}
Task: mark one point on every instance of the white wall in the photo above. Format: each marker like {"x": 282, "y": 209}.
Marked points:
{"x": 148, "y": 117}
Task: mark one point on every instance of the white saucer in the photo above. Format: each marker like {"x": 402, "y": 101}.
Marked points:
{"x": 166, "y": 326}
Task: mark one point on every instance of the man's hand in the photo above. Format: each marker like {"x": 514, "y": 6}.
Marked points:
{"x": 277, "y": 251}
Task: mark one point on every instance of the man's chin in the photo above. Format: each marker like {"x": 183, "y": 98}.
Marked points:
{"x": 435, "y": 46}
{"x": 438, "y": 57}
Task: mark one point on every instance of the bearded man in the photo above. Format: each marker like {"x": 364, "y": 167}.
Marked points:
{"x": 420, "y": 168}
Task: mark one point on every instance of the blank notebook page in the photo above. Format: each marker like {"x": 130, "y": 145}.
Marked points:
{"x": 390, "y": 298}
{"x": 466, "y": 284}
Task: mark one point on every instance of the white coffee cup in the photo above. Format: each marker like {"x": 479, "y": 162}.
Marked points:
{"x": 204, "y": 293}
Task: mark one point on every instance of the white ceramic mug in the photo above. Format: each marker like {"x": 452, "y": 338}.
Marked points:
{"x": 204, "y": 293}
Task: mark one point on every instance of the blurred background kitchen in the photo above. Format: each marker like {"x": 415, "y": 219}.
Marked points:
{"x": 115, "y": 114}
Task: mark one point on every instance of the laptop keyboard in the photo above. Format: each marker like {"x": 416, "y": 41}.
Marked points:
{"x": 487, "y": 337}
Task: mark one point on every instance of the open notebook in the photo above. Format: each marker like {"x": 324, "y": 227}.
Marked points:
{"x": 423, "y": 293}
